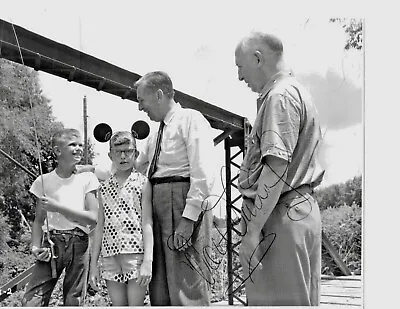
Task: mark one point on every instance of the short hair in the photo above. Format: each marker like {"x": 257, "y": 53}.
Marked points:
{"x": 122, "y": 138}
{"x": 60, "y": 135}
{"x": 260, "y": 40}
{"x": 156, "y": 80}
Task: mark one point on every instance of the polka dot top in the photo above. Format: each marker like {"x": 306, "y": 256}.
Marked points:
{"x": 122, "y": 232}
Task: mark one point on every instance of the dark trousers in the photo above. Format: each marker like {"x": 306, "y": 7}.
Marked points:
{"x": 180, "y": 278}
{"x": 70, "y": 251}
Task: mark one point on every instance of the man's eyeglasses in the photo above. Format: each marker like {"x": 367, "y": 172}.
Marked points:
{"x": 127, "y": 152}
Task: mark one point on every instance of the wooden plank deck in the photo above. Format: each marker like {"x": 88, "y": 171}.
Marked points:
{"x": 336, "y": 292}
{"x": 340, "y": 292}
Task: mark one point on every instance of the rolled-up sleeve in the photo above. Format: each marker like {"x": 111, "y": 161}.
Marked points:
{"x": 92, "y": 183}
{"x": 37, "y": 188}
{"x": 142, "y": 162}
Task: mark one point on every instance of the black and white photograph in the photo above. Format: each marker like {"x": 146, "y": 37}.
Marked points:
{"x": 179, "y": 153}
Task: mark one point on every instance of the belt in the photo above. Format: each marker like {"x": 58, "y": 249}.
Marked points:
{"x": 159, "y": 180}
{"x": 75, "y": 232}
{"x": 295, "y": 193}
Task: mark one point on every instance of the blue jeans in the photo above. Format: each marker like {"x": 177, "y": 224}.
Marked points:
{"x": 70, "y": 251}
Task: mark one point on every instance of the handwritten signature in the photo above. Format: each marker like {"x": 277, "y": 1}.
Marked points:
{"x": 249, "y": 177}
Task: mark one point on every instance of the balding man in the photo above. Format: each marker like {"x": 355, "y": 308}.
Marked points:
{"x": 281, "y": 225}
{"x": 181, "y": 174}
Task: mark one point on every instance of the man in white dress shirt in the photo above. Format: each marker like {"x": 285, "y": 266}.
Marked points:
{"x": 180, "y": 170}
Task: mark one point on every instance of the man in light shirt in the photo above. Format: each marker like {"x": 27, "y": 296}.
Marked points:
{"x": 180, "y": 170}
{"x": 281, "y": 224}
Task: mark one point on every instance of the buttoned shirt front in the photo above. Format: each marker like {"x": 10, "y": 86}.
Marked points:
{"x": 186, "y": 150}
{"x": 286, "y": 127}
{"x": 122, "y": 215}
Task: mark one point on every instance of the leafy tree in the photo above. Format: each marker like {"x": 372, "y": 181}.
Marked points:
{"x": 336, "y": 195}
{"x": 4, "y": 236}
{"x": 25, "y": 113}
{"x": 353, "y": 28}
{"x": 19, "y": 88}
{"x": 353, "y": 192}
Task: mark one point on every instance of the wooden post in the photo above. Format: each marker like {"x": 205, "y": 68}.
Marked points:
{"x": 86, "y": 161}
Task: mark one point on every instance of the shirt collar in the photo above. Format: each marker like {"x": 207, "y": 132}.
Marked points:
{"x": 274, "y": 78}
{"x": 168, "y": 117}
{"x": 114, "y": 180}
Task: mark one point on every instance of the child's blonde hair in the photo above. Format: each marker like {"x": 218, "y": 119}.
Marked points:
{"x": 63, "y": 134}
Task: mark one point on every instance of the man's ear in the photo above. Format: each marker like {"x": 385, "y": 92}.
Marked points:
{"x": 159, "y": 95}
{"x": 56, "y": 151}
{"x": 259, "y": 58}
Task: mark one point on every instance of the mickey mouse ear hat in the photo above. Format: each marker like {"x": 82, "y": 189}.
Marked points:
{"x": 103, "y": 132}
{"x": 140, "y": 129}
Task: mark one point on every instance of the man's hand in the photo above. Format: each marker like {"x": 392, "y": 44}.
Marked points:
{"x": 49, "y": 204}
{"x": 183, "y": 234}
{"x": 249, "y": 251}
{"x": 94, "y": 278}
{"x": 41, "y": 254}
{"x": 144, "y": 277}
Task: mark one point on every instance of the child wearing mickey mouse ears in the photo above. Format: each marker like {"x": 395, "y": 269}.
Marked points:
{"x": 124, "y": 231}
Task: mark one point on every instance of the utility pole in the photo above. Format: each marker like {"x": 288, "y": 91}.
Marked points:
{"x": 89, "y": 248}
{"x": 85, "y": 139}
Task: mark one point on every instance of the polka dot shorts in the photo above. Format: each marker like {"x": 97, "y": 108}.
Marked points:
{"x": 121, "y": 267}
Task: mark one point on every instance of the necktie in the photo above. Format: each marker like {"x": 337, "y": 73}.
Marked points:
{"x": 157, "y": 150}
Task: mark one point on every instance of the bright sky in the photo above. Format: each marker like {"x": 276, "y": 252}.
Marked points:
{"x": 195, "y": 44}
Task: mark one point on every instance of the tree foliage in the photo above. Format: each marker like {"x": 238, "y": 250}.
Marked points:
{"x": 19, "y": 90}
{"x": 354, "y": 29}
{"x": 336, "y": 195}
{"x": 4, "y": 236}
{"x": 26, "y": 128}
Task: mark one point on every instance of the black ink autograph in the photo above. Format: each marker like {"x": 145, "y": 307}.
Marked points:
{"x": 205, "y": 264}
{"x": 249, "y": 177}
{"x": 251, "y": 271}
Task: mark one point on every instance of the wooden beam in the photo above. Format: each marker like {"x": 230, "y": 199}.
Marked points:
{"x": 332, "y": 251}
{"x": 222, "y": 136}
{"x": 58, "y": 59}
{"x": 15, "y": 284}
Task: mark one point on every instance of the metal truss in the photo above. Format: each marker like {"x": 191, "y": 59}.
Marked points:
{"x": 233, "y": 199}
{"x": 41, "y": 53}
